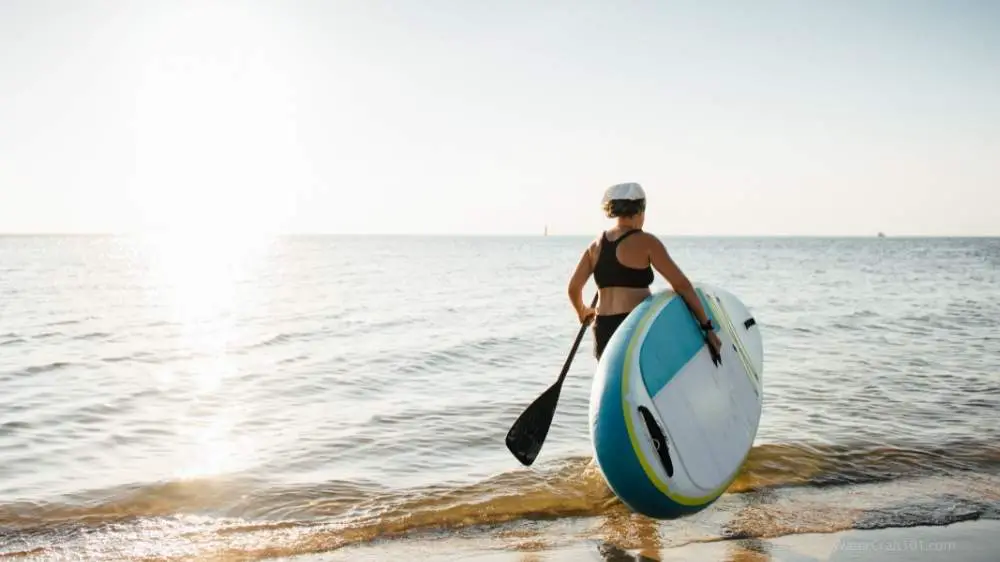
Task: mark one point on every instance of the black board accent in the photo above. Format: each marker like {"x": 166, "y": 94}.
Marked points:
{"x": 749, "y": 322}
{"x": 659, "y": 440}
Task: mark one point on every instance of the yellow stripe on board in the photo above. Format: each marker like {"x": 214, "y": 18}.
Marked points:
{"x": 626, "y": 390}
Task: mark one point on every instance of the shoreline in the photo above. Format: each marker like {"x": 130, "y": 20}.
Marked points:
{"x": 966, "y": 541}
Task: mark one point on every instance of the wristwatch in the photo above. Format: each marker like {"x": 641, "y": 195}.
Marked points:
{"x": 707, "y": 326}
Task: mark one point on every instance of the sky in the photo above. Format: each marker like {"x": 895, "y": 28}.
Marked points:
{"x": 456, "y": 117}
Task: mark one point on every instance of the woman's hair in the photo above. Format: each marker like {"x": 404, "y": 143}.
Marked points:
{"x": 624, "y": 207}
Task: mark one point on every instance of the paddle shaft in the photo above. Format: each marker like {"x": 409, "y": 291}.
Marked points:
{"x": 576, "y": 345}
{"x": 527, "y": 434}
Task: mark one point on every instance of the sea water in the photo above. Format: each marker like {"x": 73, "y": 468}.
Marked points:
{"x": 176, "y": 398}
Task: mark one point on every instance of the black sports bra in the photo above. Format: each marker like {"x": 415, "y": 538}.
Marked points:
{"x": 609, "y": 272}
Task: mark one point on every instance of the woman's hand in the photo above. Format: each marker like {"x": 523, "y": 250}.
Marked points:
{"x": 714, "y": 347}
{"x": 586, "y": 314}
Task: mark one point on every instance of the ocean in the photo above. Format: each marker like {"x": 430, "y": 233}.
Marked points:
{"x": 241, "y": 398}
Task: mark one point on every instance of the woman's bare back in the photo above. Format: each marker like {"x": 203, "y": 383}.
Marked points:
{"x": 633, "y": 252}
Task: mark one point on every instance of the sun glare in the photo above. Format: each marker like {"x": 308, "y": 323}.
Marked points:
{"x": 218, "y": 172}
{"x": 217, "y": 149}
{"x": 213, "y": 450}
{"x": 204, "y": 284}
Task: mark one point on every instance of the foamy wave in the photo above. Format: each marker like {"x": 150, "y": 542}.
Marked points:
{"x": 572, "y": 487}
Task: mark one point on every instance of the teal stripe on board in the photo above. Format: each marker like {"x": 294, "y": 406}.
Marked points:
{"x": 674, "y": 338}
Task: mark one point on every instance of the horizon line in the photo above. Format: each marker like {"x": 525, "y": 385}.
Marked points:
{"x": 495, "y": 235}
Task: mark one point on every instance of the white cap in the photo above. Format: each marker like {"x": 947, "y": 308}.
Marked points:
{"x": 629, "y": 190}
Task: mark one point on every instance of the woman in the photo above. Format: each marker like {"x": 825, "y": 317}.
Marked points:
{"x": 622, "y": 262}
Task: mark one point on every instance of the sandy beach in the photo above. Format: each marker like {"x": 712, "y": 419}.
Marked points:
{"x": 970, "y": 541}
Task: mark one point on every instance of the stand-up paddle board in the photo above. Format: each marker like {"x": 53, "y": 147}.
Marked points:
{"x": 670, "y": 428}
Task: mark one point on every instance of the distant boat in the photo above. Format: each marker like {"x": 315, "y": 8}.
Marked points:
{"x": 546, "y": 232}
{"x": 881, "y": 235}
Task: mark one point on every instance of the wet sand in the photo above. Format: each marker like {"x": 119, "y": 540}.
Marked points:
{"x": 970, "y": 541}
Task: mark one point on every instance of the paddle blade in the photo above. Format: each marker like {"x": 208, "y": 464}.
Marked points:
{"x": 527, "y": 435}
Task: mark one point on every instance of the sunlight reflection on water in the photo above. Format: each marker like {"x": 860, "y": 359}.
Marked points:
{"x": 200, "y": 279}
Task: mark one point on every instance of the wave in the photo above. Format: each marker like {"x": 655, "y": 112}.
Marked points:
{"x": 802, "y": 464}
{"x": 283, "y": 337}
{"x": 329, "y": 328}
{"x": 332, "y": 325}
{"x": 248, "y": 515}
{"x": 69, "y": 322}
{"x": 39, "y": 369}
{"x": 93, "y": 336}
{"x": 46, "y": 335}
{"x": 490, "y": 351}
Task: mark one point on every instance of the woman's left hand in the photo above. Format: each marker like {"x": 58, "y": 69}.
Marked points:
{"x": 715, "y": 347}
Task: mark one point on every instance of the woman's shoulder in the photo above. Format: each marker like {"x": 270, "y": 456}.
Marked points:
{"x": 642, "y": 235}
{"x": 649, "y": 240}
{"x": 594, "y": 247}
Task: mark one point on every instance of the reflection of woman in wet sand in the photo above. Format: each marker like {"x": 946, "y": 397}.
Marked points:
{"x": 623, "y": 530}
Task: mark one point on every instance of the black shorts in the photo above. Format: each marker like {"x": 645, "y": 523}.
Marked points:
{"x": 604, "y": 327}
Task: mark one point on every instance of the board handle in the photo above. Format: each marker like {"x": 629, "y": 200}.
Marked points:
{"x": 659, "y": 441}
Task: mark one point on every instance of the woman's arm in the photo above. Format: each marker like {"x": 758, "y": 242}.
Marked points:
{"x": 584, "y": 269}
{"x": 680, "y": 283}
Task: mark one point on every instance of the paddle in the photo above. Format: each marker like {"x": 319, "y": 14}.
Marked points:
{"x": 526, "y": 435}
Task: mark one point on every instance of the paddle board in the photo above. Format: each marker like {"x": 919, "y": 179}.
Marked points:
{"x": 670, "y": 429}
